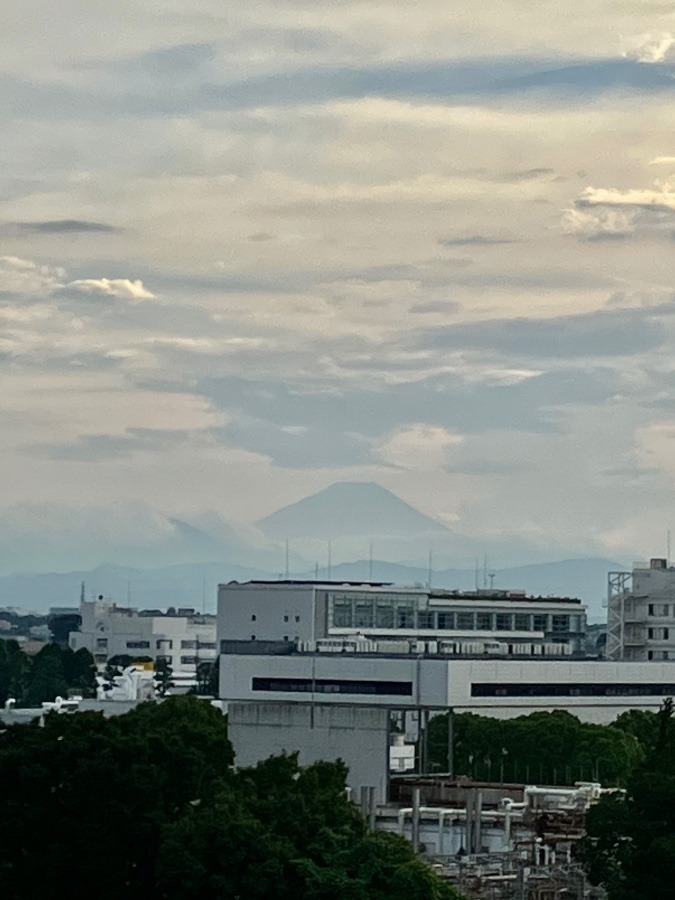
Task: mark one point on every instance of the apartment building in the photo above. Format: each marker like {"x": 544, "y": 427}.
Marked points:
{"x": 641, "y": 613}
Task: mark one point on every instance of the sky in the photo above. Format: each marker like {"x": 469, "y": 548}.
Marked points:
{"x": 248, "y": 250}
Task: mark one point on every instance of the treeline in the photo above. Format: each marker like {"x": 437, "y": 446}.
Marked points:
{"x": 543, "y": 747}
{"x": 51, "y": 673}
{"x": 147, "y": 805}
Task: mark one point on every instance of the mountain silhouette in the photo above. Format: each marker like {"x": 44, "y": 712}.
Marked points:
{"x": 349, "y": 509}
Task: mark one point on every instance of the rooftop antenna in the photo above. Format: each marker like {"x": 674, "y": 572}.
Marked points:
{"x": 203, "y": 595}
{"x": 286, "y": 566}
{"x": 370, "y": 562}
{"x": 491, "y": 576}
{"x": 485, "y": 571}
{"x": 329, "y": 561}
{"x": 429, "y": 570}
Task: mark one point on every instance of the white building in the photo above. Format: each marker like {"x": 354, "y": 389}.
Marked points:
{"x": 473, "y": 622}
{"x": 181, "y": 637}
{"x": 641, "y": 613}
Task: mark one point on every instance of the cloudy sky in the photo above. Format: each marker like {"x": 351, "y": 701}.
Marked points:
{"x": 249, "y": 249}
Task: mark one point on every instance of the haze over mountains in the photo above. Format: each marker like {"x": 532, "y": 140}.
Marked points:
{"x": 139, "y": 556}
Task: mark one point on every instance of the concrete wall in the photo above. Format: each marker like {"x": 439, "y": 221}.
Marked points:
{"x": 357, "y": 735}
{"x": 265, "y": 612}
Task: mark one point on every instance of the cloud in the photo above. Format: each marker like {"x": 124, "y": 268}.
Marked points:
{"x": 662, "y": 161}
{"x": 650, "y": 48}
{"x": 475, "y": 240}
{"x": 23, "y": 276}
{"x": 419, "y": 446}
{"x": 638, "y": 198}
{"x": 122, "y": 288}
{"x": 64, "y": 226}
{"x": 595, "y": 225}
{"x": 103, "y": 447}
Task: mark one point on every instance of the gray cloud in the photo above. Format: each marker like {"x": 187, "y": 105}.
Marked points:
{"x": 601, "y": 334}
{"x": 475, "y": 240}
{"x": 103, "y": 447}
{"x": 62, "y": 226}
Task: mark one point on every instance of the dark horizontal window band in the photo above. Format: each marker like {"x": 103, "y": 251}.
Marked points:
{"x": 615, "y": 689}
{"x": 333, "y": 686}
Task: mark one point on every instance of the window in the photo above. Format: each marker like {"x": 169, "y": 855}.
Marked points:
{"x": 651, "y": 609}
{"x": 206, "y": 645}
{"x": 405, "y": 615}
{"x": 664, "y": 654}
{"x": 571, "y": 689}
{"x": 650, "y": 654}
{"x": 560, "y": 623}
{"x": 342, "y": 614}
{"x": 188, "y": 660}
{"x": 363, "y": 614}
{"x": 666, "y": 634}
{"x": 540, "y": 623}
{"x": 503, "y": 622}
{"x": 522, "y": 622}
{"x": 101, "y": 643}
{"x": 465, "y": 621}
{"x": 188, "y": 645}
{"x": 138, "y": 645}
{"x": 333, "y": 686}
{"x": 425, "y": 619}
{"x": 665, "y": 610}
{"x": 484, "y": 621}
{"x": 253, "y": 618}
{"x": 650, "y": 634}
{"x": 164, "y": 644}
{"x": 285, "y": 618}
{"x": 446, "y": 620}
{"x": 297, "y": 618}
{"x": 384, "y": 614}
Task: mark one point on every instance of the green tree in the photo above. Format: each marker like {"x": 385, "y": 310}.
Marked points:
{"x": 630, "y": 842}
{"x": 163, "y": 676}
{"x": 79, "y": 671}
{"x": 47, "y": 677}
{"x": 15, "y": 669}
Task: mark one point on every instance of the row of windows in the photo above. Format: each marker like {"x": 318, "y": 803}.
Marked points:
{"x": 378, "y": 614}
{"x": 659, "y": 609}
{"x": 657, "y": 654}
{"x": 333, "y": 686}
{"x": 552, "y": 689}
{"x": 102, "y": 643}
{"x": 254, "y": 618}
{"x": 658, "y": 634}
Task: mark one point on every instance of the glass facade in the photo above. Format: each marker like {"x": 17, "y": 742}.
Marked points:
{"x": 369, "y": 611}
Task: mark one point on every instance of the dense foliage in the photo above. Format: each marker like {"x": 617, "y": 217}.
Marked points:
{"x": 51, "y": 673}
{"x": 147, "y": 805}
{"x": 630, "y": 843}
{"x": 544, "y": 747}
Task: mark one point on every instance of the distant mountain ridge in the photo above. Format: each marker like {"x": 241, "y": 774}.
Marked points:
{"x": 195, "y": 584}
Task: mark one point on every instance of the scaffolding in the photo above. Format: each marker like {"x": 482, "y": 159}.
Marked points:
{"x": 619, "y": 586}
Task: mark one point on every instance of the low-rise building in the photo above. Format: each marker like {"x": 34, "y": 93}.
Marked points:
{"x": 181, "y": 637}
{"x": 477, "y": 622}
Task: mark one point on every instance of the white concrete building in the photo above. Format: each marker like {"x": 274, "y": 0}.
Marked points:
{"x": 182, "y": 637}
{"x": 641, "y": 613}
{"x": 473, "y": 622}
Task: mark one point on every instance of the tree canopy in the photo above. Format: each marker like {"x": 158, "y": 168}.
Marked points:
{"x": 148, "y": 805}
{"x": 52, "y": 672}
{"x": 630, "y": 842}
{"x": 543, "y": 747}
